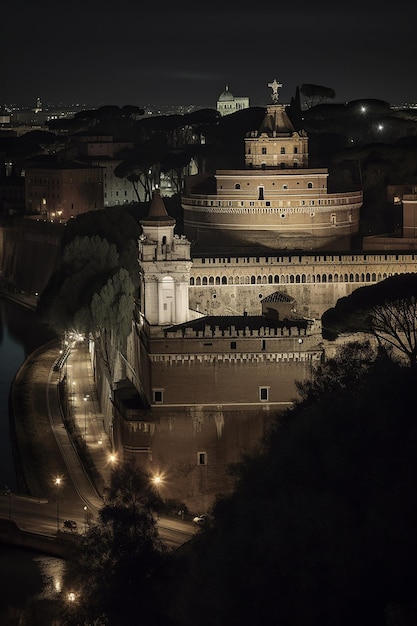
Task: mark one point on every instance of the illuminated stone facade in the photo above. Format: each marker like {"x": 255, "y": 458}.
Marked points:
{"x": 222, "y": 334}
{"x": 276, "y": 202}
{"x": 227, "y": 103}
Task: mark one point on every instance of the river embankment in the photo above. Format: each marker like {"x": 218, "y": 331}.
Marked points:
{"x": 36, "y": 453}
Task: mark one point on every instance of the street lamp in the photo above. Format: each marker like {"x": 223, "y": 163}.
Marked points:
{"x": 85, "y": 416}
{"x": 86, "y": 517}
{"x": 57, "y": 483}
{"x": 8, "y": 493}
{"x": 157, "y": 480}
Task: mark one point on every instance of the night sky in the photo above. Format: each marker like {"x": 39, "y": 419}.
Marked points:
{"x": 151, "y": 52}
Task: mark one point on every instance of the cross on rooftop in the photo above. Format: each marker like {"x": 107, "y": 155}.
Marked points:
{"x": 274, "y": 86}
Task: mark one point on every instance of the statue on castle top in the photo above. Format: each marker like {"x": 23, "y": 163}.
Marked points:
{"x": 275, "y": 86}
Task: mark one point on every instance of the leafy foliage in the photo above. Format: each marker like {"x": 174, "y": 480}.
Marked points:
{"x": 114, "y": 573}
{"x": 316, "y": 93}
{"x": 321, "y": 527}
{"x": 92, "y": 294}
{"x": 387, "y": 310}
{"x": 141, "y": 167}
{"x": 343, "y": 372}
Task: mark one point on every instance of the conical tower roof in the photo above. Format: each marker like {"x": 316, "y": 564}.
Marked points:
{"x": 157, "y": 212}
{"x": 276, "y": 121}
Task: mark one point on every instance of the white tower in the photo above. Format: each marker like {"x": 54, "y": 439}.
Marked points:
{"x": 164, "y": 266}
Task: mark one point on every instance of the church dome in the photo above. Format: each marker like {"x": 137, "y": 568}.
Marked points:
{"x": 226, "y": 96}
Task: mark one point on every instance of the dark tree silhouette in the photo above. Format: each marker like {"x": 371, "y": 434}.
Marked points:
{"x": 314, "y": 94}
{"x": 114, "y": 572}
{"x": 386, "y": 310}
{"x": 321, "y": 527}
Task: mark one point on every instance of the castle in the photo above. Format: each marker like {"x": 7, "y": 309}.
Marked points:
{"x": 228, "y": 318}
{"x": 276, "y": 202}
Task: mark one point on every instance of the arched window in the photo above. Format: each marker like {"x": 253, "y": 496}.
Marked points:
{"x": 237, "y": 186}
{"x": 253, "y": 280}
{"x": 191, "y": 281}
{"x": 224, "y": 280}
{"x": 276, "y": 279}
{"x": 198, "y": 280}
{"x": 270, "y": 278}
{"x": 217, "y": 280}
{"x": 310, "y": 186}
{"x": 211, "y": 280}
{"x": 204, "y": 280}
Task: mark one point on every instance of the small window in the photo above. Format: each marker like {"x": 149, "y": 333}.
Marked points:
{"x": 158, "y": 396}
{"x": 201, "y": 458}
{"x": 233, "y": 345}
{"x": 263, "y": 150}
{"x": 282, "y": 150}
{"x": 264, "y": 394}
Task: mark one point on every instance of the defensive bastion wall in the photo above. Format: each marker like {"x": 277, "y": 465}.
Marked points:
{"x": 234, "y": 285}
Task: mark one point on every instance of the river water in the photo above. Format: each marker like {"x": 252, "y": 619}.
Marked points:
{"x": 24, "y": 575}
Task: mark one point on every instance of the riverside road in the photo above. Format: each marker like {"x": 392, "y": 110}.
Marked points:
{"x": 74, "y": 496}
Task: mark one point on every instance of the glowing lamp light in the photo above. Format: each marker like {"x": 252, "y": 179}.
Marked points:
{"x": 157, "y": 480}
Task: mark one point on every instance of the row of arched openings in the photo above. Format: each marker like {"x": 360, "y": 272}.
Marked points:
{"x": 289, "y": 279}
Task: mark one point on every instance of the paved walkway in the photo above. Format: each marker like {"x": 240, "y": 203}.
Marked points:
{"x": 46, "y": 450}
{"x": 84, "y": 407}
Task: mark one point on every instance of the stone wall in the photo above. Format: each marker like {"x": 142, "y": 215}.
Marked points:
{"x": 234, "y": 285}
{"x": 29, "y": 252}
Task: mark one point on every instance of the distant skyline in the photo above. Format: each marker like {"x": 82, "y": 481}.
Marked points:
{"x": 97, "y": 53}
